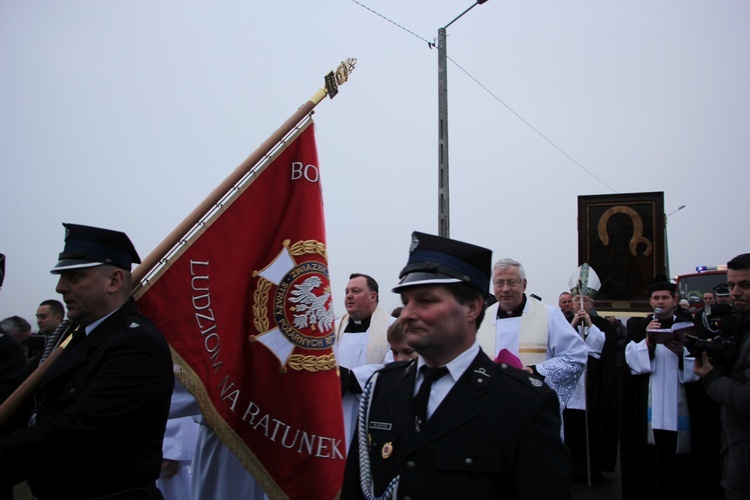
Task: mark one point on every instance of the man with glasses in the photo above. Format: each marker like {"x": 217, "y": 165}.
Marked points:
{"x": 536, "y": 333}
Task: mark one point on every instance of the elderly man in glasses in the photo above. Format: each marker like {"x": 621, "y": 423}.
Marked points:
{"x": 523, "y": 328}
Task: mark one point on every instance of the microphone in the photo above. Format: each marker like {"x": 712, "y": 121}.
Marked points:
{"x": 658, "y": 312}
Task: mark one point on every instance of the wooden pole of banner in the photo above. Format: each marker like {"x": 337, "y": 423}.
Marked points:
{"x": 13, "y": 402}
{"x": 332, "y": 80}
{"x": 153, "y": 259}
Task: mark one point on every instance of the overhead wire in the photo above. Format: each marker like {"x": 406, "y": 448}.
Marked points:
{"x": 432, "y": 44}
{"x": 393, "y": 22}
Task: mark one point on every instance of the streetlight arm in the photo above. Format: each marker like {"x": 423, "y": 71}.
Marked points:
{"x": 666, "y": 239}
{"x": 478, "y": 2}
{"x": 678, "y": 209}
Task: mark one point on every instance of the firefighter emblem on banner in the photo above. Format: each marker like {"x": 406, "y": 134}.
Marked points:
{"x": 292, "y": 309}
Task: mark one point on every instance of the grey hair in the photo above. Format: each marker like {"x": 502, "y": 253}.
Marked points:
{"x": 15, "y": 324}
{"x": 506, "y": 263}
{"x": 127, "y": 281}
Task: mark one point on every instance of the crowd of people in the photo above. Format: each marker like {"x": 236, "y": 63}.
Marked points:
{"x": 458, "y": 392}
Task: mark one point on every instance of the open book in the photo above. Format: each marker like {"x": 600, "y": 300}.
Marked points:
{"x": 677, "y": 332}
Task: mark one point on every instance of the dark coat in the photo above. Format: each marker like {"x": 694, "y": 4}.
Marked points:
{"x": 12, "y": 359}
{"x": 602, "y": 411}
{"x": 732, "y": 391}
{"x": 102, "y": 410}
{"x": 495, "y": 435}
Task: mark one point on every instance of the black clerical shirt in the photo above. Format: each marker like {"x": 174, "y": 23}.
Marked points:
{"x": 358, "y": 326}
{"x": 514, "y": 313}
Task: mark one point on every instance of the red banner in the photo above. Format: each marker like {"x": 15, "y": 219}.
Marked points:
{"x": 246, "y": 307}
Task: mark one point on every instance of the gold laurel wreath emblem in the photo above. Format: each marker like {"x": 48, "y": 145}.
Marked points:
{"x": 260, "y": 311}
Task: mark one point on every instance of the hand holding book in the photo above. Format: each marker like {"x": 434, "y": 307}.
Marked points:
{"x": 669, "y": 335}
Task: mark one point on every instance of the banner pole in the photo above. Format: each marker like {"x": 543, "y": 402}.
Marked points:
{"x": 332, "y": 81}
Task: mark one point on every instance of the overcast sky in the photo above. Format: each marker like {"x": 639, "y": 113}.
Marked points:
{"x": 126, "y": 114}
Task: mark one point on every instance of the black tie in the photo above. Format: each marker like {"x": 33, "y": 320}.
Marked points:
{"x": 78, "y": 334}
{"x": 423, "y": 395}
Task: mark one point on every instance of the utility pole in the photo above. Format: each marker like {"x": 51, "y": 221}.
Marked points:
{"x": 444, "y": 224}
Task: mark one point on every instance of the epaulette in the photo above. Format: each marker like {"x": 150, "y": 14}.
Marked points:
{"x": 393, "y": 369}
{"x": 521, "y": 376}
{"x": 138, "y": 322}
{"x": 395, "y": 365}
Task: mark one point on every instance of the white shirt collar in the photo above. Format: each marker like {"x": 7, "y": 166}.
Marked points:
{"x": 90, "y": 328}
{"x": 459, "y": 364}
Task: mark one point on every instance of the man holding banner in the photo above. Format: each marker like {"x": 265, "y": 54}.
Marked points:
{"x": 102, "y": 405}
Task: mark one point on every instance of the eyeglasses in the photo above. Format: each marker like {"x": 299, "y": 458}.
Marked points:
{"x": 510, "y": 283}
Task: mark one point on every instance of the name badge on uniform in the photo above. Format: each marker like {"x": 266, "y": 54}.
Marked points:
{"x": 383, "y": 426}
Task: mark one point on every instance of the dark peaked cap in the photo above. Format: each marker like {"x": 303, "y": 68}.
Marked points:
{"x": 660, "y": 283}
{"x": 87, "y": 246}
{"x": 721, "y": 290}
{"x": 438, "y": 260}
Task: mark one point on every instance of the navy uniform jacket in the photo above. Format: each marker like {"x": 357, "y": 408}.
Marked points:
{"x": 495, "y": 435}
{"x": 12, "y": 358}
{"x": 102, "y": 410}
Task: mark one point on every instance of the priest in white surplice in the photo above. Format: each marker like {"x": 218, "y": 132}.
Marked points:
{"x": 536, "y": 333}
{"x": 659, "y": 434}
{"x": 361, "y": 343}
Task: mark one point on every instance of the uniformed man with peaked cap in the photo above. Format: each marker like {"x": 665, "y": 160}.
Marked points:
{"x": 452, "y": 423}
{"x": 722, "y": 294}
{"x": 102, "y": 406}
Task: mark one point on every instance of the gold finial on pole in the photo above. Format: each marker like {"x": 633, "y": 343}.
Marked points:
{"x": 341, "y": 75}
